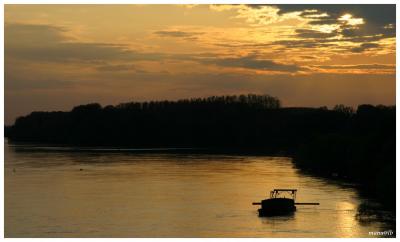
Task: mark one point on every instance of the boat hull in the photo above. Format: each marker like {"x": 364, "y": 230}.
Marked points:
{"x": 276, "y": 207}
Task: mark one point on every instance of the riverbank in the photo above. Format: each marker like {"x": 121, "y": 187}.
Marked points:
{"x": 366, "y": 158}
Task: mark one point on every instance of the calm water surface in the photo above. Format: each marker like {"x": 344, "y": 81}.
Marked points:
{"x": 165, "y": 195}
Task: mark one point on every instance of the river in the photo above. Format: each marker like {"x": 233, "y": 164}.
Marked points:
{"x": 52, "y": 192}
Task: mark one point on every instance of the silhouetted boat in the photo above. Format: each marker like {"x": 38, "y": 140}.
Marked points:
{"x": 278, "y": 205}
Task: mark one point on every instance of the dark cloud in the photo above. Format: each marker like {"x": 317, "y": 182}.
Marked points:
{"x": 379, "y": 23}
{"x": 381, "y": 14}
{"x": 308, "y": 33}
{"x": 46, "y": 43}
{"x": 243, "y": 45}
{"x": 177, "y": 34}
{"x": 360, "y": 67}
{"x": 32, "y": 34}
{"x": 311, "y": 43}
{"x": 116, "y": 68}
{"x": 49, "y": 43}
{"x": 312, "y": 39}
{"x": 309, "y": 57}
{"x": 363, "y": 47}
{"x": 377, "y": 18}
{"x": 27, "y": 83}
{"x": 361, "y": 39}
{"x": 252, "y": 62}
{"x": 322, "y": 21}
{"x": 369, "y": 32}
{"x": 61, "y": 52}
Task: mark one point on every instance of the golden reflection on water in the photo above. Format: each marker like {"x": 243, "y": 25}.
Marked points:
{"x": 70, "y": 194}
{"x": 346, "y": 221}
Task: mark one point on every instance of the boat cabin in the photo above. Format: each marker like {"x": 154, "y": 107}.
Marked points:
{"x": 280, "y": 202}
{"x": 276, "y": 193}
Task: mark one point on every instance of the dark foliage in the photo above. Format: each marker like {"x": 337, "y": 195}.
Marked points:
{"x": 363, "y": 151}
{"x": 358, "y": 144}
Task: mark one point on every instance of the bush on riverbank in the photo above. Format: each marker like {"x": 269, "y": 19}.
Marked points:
{"x": 364, "y": 152}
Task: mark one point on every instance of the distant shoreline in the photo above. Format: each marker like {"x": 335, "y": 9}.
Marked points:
{"x": 39, "y": 147}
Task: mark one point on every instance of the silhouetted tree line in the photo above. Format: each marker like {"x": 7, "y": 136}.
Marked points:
{"x": 356, "y": 144}
{"x": 364, "y": 150}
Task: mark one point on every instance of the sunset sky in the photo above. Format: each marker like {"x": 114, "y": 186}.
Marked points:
{"x": 60, "y": 56}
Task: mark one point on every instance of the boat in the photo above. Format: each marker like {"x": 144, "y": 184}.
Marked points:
{"x": 278, "y": 204}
